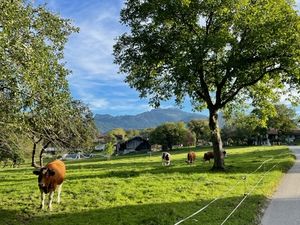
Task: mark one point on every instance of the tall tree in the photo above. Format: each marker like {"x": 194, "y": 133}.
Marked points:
{"x": 132, "y": 133}
{"x": 241, "y": 125}
{"x": 145, "y": 133}
{"x": 240, "y": 128}
{"x": 32, "y": 70}
{"x": 119, "y": 133}
{"x": 200, "y": 129}
{"x": 213, "y": 51}
{"x": 33, "y": 77}
{"x": 284, "y": 120}
{"x": 169, "y": 134}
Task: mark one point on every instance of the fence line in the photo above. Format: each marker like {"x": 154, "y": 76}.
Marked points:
{"x": 247, "y": 195}
{"x": 232, "y": 188}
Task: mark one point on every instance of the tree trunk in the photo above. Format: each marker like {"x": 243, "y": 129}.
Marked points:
{"x": 216, "y": 140}
{"x": 170, "y": 147}
{"x": 33, "y": 163}
{"x": 41, "y": 153}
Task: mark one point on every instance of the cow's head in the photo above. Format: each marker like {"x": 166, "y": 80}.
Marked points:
{"x": 205, "y": 157}
{"x": 43, "y": 174}
{"x": 224, "y": 153}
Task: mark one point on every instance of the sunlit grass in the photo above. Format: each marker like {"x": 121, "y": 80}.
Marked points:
{"x": 139, "y": 190}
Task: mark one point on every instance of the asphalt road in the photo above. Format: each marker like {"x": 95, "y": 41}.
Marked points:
{"x": 284, "y": 208}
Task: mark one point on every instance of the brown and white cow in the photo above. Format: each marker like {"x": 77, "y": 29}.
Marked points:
{"x": 191, "y": 157}
{"x": 166, "y": 158}
{"x": 50, "y": 178}
{"x": 210, "y": 155}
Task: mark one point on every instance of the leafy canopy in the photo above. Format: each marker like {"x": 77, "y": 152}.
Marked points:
{"x": 32, "y": 71}
{"x": 214, "y": 51}
{"x": 169, "y": 134}
{"x": 200, "y": 128}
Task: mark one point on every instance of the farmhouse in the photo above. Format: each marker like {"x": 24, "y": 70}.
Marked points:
{"x": 132, "y": 145}
{"x": 289, "y": 137}
{"x": 293, "y": 136}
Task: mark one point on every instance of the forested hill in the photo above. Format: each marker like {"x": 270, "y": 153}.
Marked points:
{"x": 149, "y": 119}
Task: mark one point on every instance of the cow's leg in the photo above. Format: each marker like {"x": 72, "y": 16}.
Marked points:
{"x": 42, "y": 200}
{"x": 58, "y": 192}
{"x": 50, "y": 200}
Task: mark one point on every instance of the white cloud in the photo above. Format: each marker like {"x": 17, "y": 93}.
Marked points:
{"x": 98, "y": 103}
{"x": 129, "y": 107}
{"x": 92, "y": 56}
{"x": 115, "y": 106}
{"x": 94, "y": 102}
{"x": 90, "y": 51}
{"x": 93, "y": 84}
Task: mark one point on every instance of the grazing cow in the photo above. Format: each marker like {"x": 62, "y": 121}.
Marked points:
{"x": 210, "y": 155}
{"x": 50, "y": 177}
{"x": 191, "y": 156}
{"x": 166, "y": 159}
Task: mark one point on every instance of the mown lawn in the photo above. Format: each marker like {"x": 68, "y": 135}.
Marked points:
{"x": 139, "y": 190}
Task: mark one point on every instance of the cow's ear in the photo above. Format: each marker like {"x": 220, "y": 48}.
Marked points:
{"x": 51, "y": 172}
{"x": 37, "y": 171}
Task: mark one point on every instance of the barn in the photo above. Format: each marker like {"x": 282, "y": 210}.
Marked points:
{"x": 134, "y": 144}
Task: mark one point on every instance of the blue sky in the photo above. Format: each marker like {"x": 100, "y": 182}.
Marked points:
{"x": 95, "y": 79}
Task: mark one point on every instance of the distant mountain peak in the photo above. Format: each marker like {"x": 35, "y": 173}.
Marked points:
{"x": 152, "y": 118}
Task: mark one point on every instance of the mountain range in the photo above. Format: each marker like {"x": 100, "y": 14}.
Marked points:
{"x": 153, "y": 118}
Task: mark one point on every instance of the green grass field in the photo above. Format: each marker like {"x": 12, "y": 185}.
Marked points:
{"x": 139, "y": 190}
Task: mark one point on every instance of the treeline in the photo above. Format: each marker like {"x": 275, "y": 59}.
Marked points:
{"x": 240, "y": 128}
{"x": 254, "y": 128}
{"x": 167, "y": 135}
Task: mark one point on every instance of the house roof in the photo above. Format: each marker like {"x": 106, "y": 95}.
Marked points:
{"x": 273, "y": 131}
{"x": 294, "y": 132}
{"x": 291, "y": 132}
{"x": 136, "y": 138}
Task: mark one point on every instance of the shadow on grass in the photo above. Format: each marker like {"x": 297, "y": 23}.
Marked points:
{"x": 144, "y": 214}
{"x": 10, "y": 217}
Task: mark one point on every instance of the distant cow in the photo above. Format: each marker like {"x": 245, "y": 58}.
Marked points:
{"x": 191, "y": 156}
{"x": 50, "y": 177}
{"x": 210, "y": 155}
{"x": 166, "y": 159}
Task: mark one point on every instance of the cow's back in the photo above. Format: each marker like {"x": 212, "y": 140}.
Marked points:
{"x": 208, "y": 155}
{"x": 191, "y": 156}
{"x": 166, "y": 156}
{"x": 60, "y": 170}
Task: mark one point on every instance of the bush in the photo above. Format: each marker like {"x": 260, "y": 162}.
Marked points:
{"x": 109, "y": 150}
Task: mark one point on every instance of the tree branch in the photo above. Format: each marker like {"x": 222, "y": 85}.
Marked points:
{"x": 250, "y": 83}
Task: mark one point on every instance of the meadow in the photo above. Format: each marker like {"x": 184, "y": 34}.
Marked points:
{"x": 137, "y": 189}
